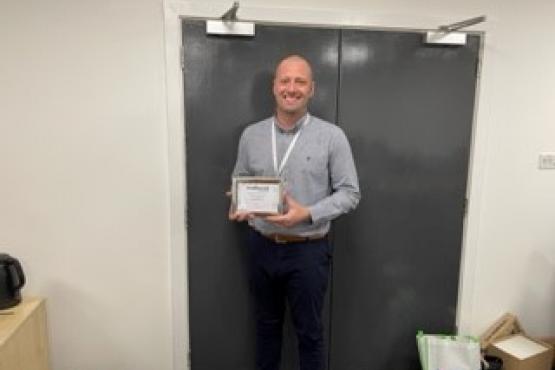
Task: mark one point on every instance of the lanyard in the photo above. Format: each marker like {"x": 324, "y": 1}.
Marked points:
{"x": 279, "y": 169}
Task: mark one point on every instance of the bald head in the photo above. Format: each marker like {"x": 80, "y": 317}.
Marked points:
{"x": 294, "y": 59}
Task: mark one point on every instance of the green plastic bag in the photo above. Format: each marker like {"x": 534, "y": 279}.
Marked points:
{"x": 448, "y": 352}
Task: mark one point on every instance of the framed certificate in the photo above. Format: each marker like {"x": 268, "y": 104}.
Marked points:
{"x": 258, "y": 195}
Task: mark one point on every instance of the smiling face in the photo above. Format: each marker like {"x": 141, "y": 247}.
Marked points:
{"x": 293, "y": 88}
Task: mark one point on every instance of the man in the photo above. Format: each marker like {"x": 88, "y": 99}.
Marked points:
{"x": 289, "y": 253}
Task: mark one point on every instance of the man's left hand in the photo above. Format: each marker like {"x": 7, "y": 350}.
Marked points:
{"x": 296, "y": 213}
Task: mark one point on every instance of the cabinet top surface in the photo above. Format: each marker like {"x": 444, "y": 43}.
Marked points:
{"x": 13, "y": 318}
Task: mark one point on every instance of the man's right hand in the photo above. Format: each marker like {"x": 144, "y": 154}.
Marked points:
{"x": 237, "y": 216}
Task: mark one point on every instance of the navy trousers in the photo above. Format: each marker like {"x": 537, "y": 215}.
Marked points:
{"x": 296, "y": 273}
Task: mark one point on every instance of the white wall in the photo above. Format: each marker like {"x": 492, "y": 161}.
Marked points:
{"x": 87, "y": 183}
{"x": 515, "y": 265}
{"x": 83, "y": 164}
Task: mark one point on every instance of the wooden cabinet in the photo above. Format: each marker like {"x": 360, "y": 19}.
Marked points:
{"x": 23, "y": 337}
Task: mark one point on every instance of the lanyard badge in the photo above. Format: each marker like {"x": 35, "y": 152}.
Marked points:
{"x": 279, "y": 169}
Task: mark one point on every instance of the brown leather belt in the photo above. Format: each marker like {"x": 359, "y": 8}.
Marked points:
{"x": 284, "y": 238}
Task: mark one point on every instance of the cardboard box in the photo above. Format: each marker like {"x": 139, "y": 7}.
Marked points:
{"x": 506, "y": 325}
{"x": 548, "y": 340}
{"x": 520, "y": 352}
{"x": 551, "y": 342}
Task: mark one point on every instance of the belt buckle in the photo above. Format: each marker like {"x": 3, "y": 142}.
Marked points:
{"x": 279, "y": 240}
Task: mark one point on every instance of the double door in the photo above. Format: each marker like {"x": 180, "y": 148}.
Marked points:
{"x": 407, "y": 109}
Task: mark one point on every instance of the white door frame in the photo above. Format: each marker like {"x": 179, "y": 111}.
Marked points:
{"x": 174, "y": 12}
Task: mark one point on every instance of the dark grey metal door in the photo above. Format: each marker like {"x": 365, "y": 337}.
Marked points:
{"x": 227, "y": 86}
{"x": 407, "y": 109}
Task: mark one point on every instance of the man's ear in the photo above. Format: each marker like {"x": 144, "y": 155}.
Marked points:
{"x": 313, "y": 89}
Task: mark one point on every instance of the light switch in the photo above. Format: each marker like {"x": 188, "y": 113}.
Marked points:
{"x": 547, "y": 161}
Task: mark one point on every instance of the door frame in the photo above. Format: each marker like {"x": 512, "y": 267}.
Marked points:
{"x": 174, "y": 12}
